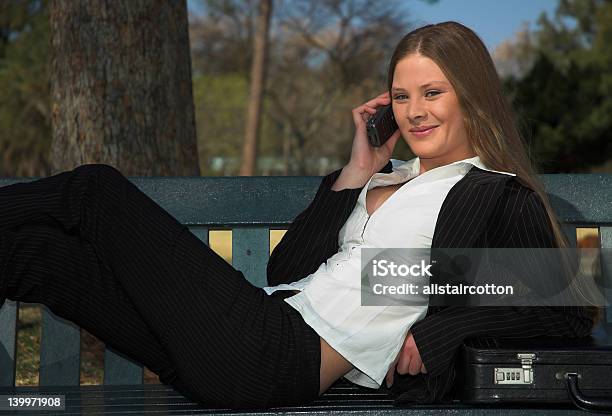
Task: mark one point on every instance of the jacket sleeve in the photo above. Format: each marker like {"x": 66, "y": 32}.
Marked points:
{"x": 312, "y": 237}
{"x": 439, "y": 336}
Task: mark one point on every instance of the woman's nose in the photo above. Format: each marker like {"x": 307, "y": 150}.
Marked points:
{"x": 416, "y": 110}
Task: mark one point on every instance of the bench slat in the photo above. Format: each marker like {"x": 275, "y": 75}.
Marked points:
{"x": 200, "y": 232}
{"x": 220, "y": 201}
{"x": 570, "y": 233}
{"x": 8, "y": 344}
{"x": 121, "y": 370}
{"x": 605, "y": 235}
{"x": 59, "y": 351}
{"x": 250, "y": 253}
{"x": 580, "y": 198}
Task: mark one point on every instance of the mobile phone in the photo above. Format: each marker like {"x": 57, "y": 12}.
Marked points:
{"x": 381, "y": 125}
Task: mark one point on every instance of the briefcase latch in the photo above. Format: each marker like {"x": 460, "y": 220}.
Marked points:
{"x": 514, "y": 375}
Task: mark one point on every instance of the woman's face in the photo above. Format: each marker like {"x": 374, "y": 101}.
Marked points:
{"x": 423, "y": 97}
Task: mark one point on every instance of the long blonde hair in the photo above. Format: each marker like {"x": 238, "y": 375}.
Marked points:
{"x": 489, "y": 119}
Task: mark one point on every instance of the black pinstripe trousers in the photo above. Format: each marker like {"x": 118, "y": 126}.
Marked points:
{"x": 99, "y": 252}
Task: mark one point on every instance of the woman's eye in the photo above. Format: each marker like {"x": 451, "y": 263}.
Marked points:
{"x": 399, "y": 96}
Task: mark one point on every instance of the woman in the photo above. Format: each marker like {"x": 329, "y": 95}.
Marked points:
{"x": 487, "y": 207}
{"x": 97, "y": 251}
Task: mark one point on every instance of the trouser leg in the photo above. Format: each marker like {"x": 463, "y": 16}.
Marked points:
{"x": 230, "y": 343}
{"x": 63, "y": 272}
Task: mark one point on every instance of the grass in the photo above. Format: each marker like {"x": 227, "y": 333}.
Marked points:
{"x": 28, "y": 345}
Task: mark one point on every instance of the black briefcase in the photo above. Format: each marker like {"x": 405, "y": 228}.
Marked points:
{"x": 536, "y": 371}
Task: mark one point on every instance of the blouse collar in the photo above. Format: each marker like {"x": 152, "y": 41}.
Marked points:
{"x": 412, "y": 167}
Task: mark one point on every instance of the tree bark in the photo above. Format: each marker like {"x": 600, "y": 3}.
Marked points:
{"x": 258, "y": 80}
{"x": 121, "y": 86}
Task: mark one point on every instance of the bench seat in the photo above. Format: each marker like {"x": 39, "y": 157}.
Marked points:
{"x": 343, "y": 398}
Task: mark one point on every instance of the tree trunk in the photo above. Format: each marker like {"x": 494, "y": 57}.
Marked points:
{"x": 121, "y": 86}
{"x": 287, "y": 138}
{"x": 258, "y": 80}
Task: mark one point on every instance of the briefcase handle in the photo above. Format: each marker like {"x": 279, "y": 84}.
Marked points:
{"x": 589, "y": 403}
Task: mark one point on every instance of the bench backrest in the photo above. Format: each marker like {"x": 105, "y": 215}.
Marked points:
{"x": 251, "y": 207}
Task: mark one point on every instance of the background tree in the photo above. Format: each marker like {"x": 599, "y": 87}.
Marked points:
{"x": 121, "y": 86}
{"x": 257, "y": 86}
{"x": 25, "y": 112}
{"x": 325, "y": 58}
{"x": 305, "y": 119}
{"x": 565, "y": 99}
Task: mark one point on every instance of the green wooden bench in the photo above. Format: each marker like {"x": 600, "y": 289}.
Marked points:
{"x": 251, "y": 207}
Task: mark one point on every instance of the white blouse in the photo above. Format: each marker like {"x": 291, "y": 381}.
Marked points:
{"x": 370, "y": 337}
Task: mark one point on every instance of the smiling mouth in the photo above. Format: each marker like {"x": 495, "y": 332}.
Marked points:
{"x": 424, "y": 132}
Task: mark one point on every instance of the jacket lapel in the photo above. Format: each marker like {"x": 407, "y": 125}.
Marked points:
{"x": 463, "y": 219}
{"x": 467, "y": 208}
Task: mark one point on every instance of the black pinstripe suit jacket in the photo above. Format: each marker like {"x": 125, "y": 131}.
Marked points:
{"x": 483, "y": 209}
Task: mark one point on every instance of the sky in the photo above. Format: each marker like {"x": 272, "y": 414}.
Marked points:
{"x": 493, "y": 20}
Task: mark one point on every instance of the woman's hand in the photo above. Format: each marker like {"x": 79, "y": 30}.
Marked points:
{"x": 364, "y": 156}
{"x": 408, "y": 361}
